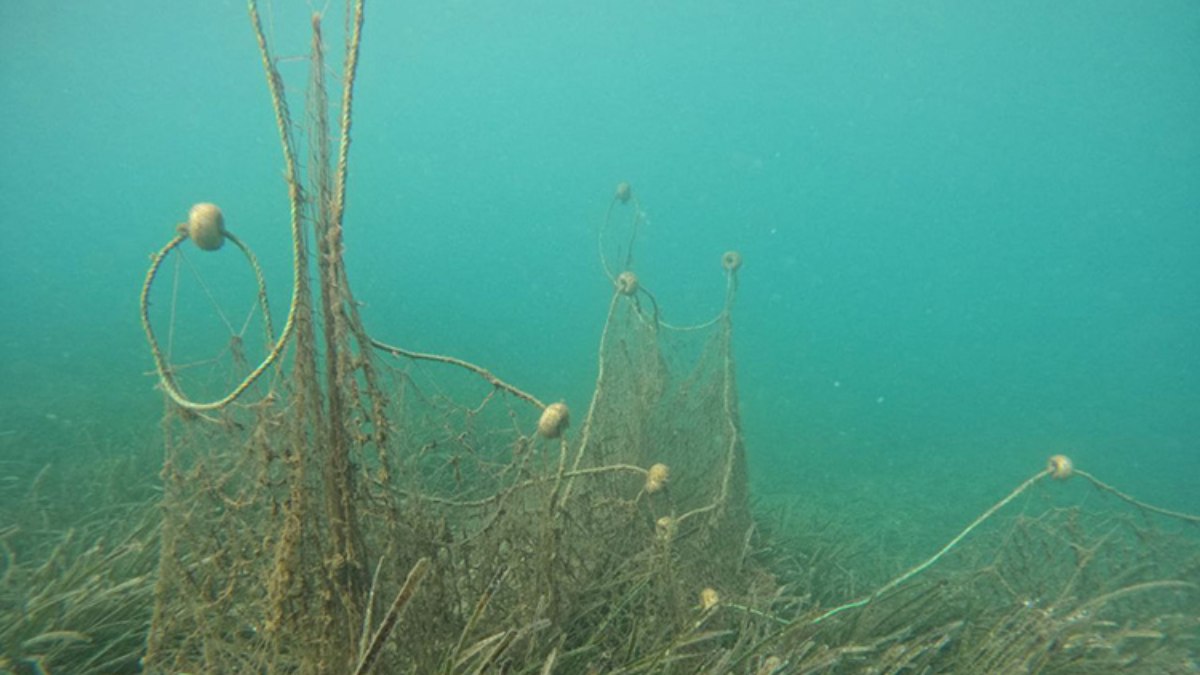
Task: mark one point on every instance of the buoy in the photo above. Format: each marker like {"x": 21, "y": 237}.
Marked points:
{"x": 554, "y": 420}
{"x": 206, "y": 226}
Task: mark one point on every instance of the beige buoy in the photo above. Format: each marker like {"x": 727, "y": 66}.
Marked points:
{"x": 627, "y": 283}
{"x": 1060, "y": 467}
{"x": 664, "y": 528}
{"x": 656, "y": 478}
{"x": 709, "y": 598}
{"x": 206, "y": 226}
{"x": 731, "y": 261}
{"x": 623, "y": 193}
{"x": 554, "y": 420}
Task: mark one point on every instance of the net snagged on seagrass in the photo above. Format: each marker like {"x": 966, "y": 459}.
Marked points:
{"x": 369, "y": 481}
{"x": 343, "y": 486}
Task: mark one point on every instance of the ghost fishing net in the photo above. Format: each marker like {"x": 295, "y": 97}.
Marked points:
{"x": 342, "y": 480}
{"x": 344, "y": 504}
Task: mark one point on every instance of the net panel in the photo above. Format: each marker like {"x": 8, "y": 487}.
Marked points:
{"x": 372, "y": 485}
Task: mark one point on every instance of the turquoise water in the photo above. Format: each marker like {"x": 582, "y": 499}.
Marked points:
{"x": 971, "y": 233}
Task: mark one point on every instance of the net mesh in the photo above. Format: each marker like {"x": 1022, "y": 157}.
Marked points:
{"x": 347, "y": 485}
{"x": 291, "y": 522}
{"x": 333, "y": 503}
{"x": 275, "y": 554}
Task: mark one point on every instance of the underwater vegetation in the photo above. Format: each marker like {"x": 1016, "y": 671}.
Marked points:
{"x": 347, "y": 505}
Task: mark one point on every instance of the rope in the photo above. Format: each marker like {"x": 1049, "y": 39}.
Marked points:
{"x": 1138, "y": 503}
{"x": 339, "y": 202}
{"x": 165, "y": 373}
{"x": 637, "y": 214}
{"x": 585, "y": 433}
{"x": 299, "y": 255}
{"x": 988, "y": 514}
{"x": 450, "y": 360}
{"x": 944, "y": 550}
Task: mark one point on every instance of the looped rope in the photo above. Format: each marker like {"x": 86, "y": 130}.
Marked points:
{"x": 299, "y": 254}
{"x": 165, "y": 374}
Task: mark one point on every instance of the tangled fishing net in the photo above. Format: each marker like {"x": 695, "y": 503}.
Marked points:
{"x": 346, "y": 505}
{"x": 336, "y": 484}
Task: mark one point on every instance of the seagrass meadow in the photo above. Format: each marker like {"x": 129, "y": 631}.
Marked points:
{"x": 304, "y": 490}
